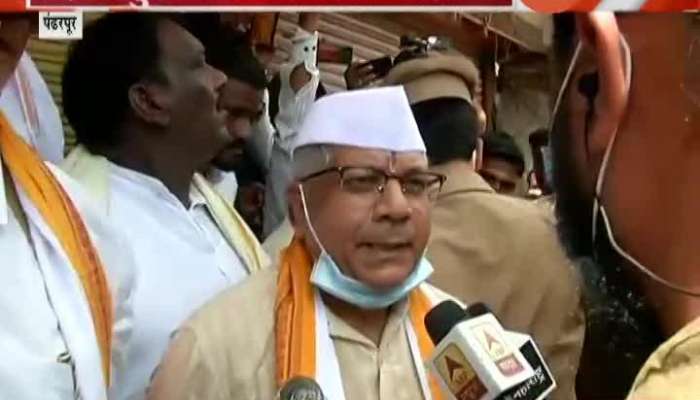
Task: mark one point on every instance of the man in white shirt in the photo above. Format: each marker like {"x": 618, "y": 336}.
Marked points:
{"x": 159, "y": 119}
{"x": 67, "y": 283}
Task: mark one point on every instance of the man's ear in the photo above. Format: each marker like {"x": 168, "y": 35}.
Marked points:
{"x": 600, "y": 34}
{"x": 149, "y": 103}
{"x": 295, "y": 209}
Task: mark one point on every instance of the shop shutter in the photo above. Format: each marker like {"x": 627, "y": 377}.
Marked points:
{"x": 368, "y": 42}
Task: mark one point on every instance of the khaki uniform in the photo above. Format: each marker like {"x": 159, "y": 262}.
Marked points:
{"x": 673, "y": 370}
{"x": 227, "y": 352}
{"x": 504, "y": 252}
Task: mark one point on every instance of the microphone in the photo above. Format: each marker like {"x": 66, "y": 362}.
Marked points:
{"x": 474, "y": 358}
{"x": 542, "y": 382}
{"x": 301, "y": 388}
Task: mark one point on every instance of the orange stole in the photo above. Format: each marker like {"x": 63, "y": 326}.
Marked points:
{"x": 29, "y": 172}
{"x": 295, "y": 327}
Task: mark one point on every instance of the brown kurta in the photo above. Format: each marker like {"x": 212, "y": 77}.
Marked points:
{"x": 227, "y": 352}
{"x": 504, "y": 252}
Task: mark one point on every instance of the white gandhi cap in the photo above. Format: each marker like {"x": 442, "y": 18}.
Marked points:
{"x": 378, "y": 118}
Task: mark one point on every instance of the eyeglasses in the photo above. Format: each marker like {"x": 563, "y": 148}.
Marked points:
{"x": 372, "y": 181}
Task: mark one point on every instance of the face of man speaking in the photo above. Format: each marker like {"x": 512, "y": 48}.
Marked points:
{"x": 649, "y": 188}
{"x": 376, "y": 238}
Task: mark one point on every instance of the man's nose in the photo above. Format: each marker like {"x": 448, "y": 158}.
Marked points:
{"x": 392, "y": 202}
{"x": 242, "y": 129}
{"x": 217, "y": 78}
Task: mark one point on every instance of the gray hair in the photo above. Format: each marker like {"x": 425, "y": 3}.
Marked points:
{"x": 312, "y": 158}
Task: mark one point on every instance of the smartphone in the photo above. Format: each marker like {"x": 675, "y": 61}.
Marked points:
{"x": 263, "y": 30}
{"x": 380, "y": 66}
{"x": 334, "y": 54}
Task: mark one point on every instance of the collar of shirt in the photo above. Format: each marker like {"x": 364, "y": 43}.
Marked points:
{"x": 193, "y": 224}
{"x": 156, "y": 187}
{"x": 464, "y": 181}
{"x": 339, "y": 329}
{"x": 197, "y": 199}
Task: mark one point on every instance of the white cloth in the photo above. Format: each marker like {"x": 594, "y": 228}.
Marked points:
{"x": 225, "y": 183}
{"x": 182, "y": 261}
{"x": 620, "y": 5}
{"x": 30, "y": 108}
{"x": 278, "y": 178}
{"x": 225, "y": 254}
{"x": 293, "y": 108}
{"x": 263, "y": 136}
{"x": 379, "y": 118}
{"x": 45, "y": 314}
{"x": 304, "y": 49}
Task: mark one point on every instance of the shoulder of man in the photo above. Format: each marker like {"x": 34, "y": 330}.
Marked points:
{"x": 672, "y": 371}
{"x": 111, "y": 243}
{"x": 240, "y": 320}
{"x": 115, "y": 254}
{"x": 224, "y": 348}
{"x": 510, "y": 208}
{"x": 492, "y": 222}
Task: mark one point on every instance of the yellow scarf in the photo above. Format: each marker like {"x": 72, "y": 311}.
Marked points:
{"x": 233, "y": 227}
{"x": 296, "y": 319}
{"x": 29, "y": 172}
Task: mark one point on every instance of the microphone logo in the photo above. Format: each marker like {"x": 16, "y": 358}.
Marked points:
{"x": 459, "y": 375}
{"x": 495, "y": 345}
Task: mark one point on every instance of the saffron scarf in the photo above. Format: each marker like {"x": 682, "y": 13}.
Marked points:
{"x": 296, "y": 321}
{"x": 45, "y": 192}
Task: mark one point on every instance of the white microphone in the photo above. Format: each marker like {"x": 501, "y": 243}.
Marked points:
{"x": 474, "y": 358}
{"x": 542, "y": 382}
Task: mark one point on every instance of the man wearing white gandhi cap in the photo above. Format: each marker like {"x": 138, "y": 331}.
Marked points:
{"x": 349, "y": 292}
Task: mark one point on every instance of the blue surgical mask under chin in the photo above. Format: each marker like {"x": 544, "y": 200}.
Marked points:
{"x": 328, "y": 277}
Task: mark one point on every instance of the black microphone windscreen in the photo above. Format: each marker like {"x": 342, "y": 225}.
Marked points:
{"x": 301, "y": 388}
{"x": 442, "y": 318}
{"x": 477, "y": 309}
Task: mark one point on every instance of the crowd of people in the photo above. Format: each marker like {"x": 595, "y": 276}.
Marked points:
{"x": 217, "y": 231}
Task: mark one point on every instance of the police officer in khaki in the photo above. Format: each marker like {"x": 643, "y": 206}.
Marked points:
{"x": 346, "y": 303}
{"x": 486, "y": 247}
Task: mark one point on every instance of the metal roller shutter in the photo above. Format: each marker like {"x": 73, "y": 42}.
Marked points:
{"x": 368, "y": 42}
{"x": 50, "y": 57}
